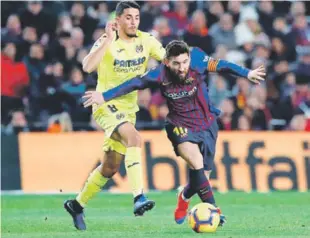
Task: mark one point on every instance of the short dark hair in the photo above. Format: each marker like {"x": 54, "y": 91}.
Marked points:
{"x": 121, "y": 6}
{"x": 176, "y": 48}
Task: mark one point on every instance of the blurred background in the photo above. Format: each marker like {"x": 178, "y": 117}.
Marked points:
{"x": 44, "y": 43}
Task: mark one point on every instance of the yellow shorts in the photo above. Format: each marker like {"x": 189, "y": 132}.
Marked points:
{"x": 109, "y": 123}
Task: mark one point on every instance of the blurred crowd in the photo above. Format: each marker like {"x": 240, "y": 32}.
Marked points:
{"x": 44, "y": 43}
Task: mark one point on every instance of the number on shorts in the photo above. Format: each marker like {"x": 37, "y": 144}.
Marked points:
{"x": 180, "y": 131}
{"x": 112, "y": 108}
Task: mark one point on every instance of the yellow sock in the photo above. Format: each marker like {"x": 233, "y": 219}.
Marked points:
{"x": 92, "y": 186}
{"x": 134, "y": 169}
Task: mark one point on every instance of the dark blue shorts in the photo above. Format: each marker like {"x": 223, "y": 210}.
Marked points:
{"x": 206, "y": 141}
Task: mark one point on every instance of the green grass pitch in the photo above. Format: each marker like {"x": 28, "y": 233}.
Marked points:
{"x": 278, "y": 214}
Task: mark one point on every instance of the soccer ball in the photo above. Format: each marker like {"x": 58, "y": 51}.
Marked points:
{"x": 204, "y": 218}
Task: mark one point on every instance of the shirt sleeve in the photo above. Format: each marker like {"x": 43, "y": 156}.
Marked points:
{"x": 223, "y": 66}
{"x": 141, "y": 82}
{"x": 98, "y": 42}
{"x": 157, "y": 51}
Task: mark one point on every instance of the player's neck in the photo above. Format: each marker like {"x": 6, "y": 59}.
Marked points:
{"x": 125, "y": 38}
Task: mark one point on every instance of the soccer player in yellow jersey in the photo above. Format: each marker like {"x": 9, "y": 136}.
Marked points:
{"x": 120, "y": 54}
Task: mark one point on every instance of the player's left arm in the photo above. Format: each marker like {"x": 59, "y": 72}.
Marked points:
{"x": 218, "y": 65}
{"x": 157, "y": 51}
{"x": 137, "y": 83}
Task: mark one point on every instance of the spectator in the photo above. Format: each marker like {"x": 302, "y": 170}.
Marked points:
{"x": 100, "y": 12}
{"x": 241, "y": 92}
{"x": 262, "y": 114}
{"x": 178, "y": 19}
{"x": 35, "y": 61}
{"x": 151, "y": 10}
{"x": 64, "y": 51}
{"x": 158, "y": 107}
{"x": 298, "y": 8}
{"x": 301, "y": 30}
{"x": 35, "y": 16}
{"x": 18, "y": 123}
{"x": 197, "y": 33}
{"x": 249, "y": 34}
{"x": 247, "y": 28}
{"x": 13, "y": 31}
{"x": 244, "y": 123}
{"x": 266, "y": 16}
{"x": 280, "y": 68}
{"x": 76, "y": 87}
{"x": 223, "y": 32}
{"x": 77, "y": 38}
{"x": 80, "y": 19}
{"x": 64, "y": 24}
{"x": 162, "y": 31}
{"x": 51, "y": 80}
{"x": 303, "y": 67}
{"x": 280, "y": 26}
{"x": 234, "y": 8}
{"x": 213, "y": 9}
{"x": 298, "y": 123}
{"x": 281, "y": 50}
{"x": 218, "y": 90}
{"x": 14, "y": 81}
{"x": 288, "y": 86}
{"x": 220, "y": 52}
{"x": 100, "y": 30}
{"x": 229, "y": 116}
{"x": 59, "y": 123}
{"x": 144, "y": 99}
{"x": 29, "y": 37}
{"x": 50, "y": 100}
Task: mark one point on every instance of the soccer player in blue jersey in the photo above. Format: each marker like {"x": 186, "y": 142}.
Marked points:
{"x": 191, "y": 123}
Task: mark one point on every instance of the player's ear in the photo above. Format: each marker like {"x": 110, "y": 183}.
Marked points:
{"x": 165, "y": 61}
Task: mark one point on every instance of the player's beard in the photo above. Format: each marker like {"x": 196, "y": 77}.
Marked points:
{"x": 175, "y": 76}
{"x": 131, "y": 35}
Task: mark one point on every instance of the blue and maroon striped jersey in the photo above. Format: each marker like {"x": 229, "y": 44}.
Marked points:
{"x": 188, "y": 102}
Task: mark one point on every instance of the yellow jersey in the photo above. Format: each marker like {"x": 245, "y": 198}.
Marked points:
{"x": 123, "y": 61}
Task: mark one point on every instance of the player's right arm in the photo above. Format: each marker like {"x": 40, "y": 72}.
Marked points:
{"x": 137, "y": 83}
{"x": 92, "y": 60}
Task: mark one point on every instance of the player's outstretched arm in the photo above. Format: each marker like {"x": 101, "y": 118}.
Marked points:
{"x": 140, "y": 82}
{"x": 93, "y": 59}
{"x": 255, "y": 75}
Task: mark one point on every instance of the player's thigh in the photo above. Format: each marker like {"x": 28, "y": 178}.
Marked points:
{"x": 110, "y": 163}
{"x": 208, "y": 146}
{"x": 110, "y": 123}
{"x": 190, "y": 152}
{"x": 127, "y": 134}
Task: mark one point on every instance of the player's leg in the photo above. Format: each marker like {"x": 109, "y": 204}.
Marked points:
{"x": 198, "y": 182}
{"x": 190, "y": 153}
{"x": 130, "y": 137}
{"x": 207, "y": 148}
{"x": 93, "y": 185}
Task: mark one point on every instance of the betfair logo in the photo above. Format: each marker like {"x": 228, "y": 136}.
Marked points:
{"x": 129, "y": 63}
{"x": 180, "y": 131}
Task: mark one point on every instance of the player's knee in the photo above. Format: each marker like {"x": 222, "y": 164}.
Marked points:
{"x": 109, "y": 171}
{"x": 134, "y": 140}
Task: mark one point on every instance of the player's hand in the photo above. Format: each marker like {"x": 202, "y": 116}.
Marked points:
{"x": 110, "y": 29}
{"x": 93, "y": 97}
{"x": 257, "y": 75}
